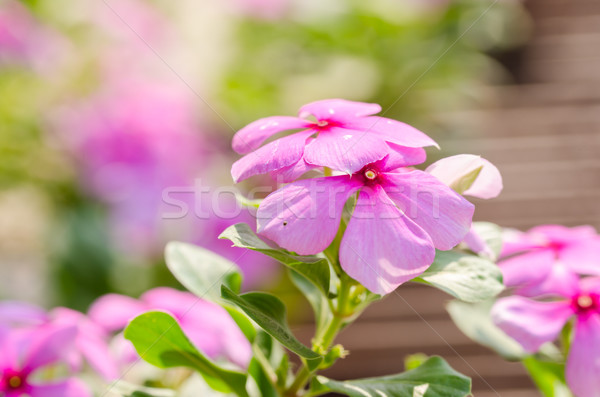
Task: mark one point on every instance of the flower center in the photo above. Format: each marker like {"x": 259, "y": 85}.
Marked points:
{"x": 370, "y": 174}
{"x": 322, "y": 123}
{"x": 587, "y": 303}
{"x": 15, "y": 382}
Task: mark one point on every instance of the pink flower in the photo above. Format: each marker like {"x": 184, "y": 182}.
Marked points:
{"x": 26, "y": 352}
{"x": 473, "y": 176}
{"x": 530, "y": 260}
{"x": 208, "y": 325}
{"x": 90, "y": 342}
{"x": 402, "y": 215}
{"x": 344, "y": 137}
{"x": 533, "y": 323}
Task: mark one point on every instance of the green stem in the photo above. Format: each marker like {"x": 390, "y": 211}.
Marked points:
{"x": 302, "y": 377}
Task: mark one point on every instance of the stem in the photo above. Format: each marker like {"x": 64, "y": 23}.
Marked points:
{"x": 302, "y": 376}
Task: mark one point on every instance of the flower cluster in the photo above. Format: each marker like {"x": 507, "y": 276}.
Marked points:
{"x": 401, "y": 215}
{"x": 554, "y": 270}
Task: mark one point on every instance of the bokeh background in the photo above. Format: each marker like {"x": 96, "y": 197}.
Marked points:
{"x": 113, "y": 111}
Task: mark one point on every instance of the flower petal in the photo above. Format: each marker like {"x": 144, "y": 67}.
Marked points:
{"x": 528, "y": 268}
{"x": 20, "y": 313}
{"x": 344, "y": 150}
{"x": 444, "y": 214}
{"x": 49, "y": 344}
{"x": 339, "y": 110}
{"x": 382, "y": 248}
{"x": 113, "y": 311}
{"x": 391, "y": 131}
{"x": 531, "y": 323}
{"x": 451, "y": 170}
{"x": 292, "y": 172}
{"x": 558, "y": 281}
{"x": 254, "y": 134}
{"x": 582, "y": 256}
{"x": 583, "y": 364}
{"x": 69, "y": 388}
{"x": 304, "y": 216}
{"x": 273, "y": 156}
{"x": 401, "y": 156}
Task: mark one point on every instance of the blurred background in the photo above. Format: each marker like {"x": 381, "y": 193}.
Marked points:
{"x": 115, "y": 115}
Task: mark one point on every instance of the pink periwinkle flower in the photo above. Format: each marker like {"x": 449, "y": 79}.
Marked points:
{"x": 487, "y": 184}
{"x": 89, "y": 343}
{"x": 529, "y": 261}
{"x": 209, "y": 327}
{"x": 401, "y": 216}
{"x": 344, "y": 136}
{"x": 534, "y": 322}
{"x": 25, "y": 356}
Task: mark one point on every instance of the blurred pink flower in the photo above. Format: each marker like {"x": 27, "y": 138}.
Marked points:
{"x": 402, "y": 215}
{"x": 533, "y": 323}
{"x": 25, "y": 352}
{"x": 531, "y": 260}
{"x": 89, "y": 342}
{"x": 209, "y": 327}
{"x": 347, "y": 138}
{"x": 24, "y": 40}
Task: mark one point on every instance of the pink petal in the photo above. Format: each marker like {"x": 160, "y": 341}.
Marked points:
{"x": 531, "y": 323}
{"x": 558, "y": 281}
{"x": 275, "y": 155}
{"x": 444, "y": 214}
{"x": 583, "y": 365}
{"x": 13, "y": 313}
{"x": 48, "y": 345}
{"x": 391, "y": 131}
{"x": 562, "y": 234}
{"x": 292, "y": 172}
{"x": 400, "y": 156}
{"x": 450, "y": 170}
{"x": 527, "y": 268}
{"x": 171, "y": 300}
{"x": 69, "y": 388}
{"x": 304, "y": 216}
{"x": 515, "y": 241}
{"x": 114, "y": 311}
{"x": 382, "y": 248}
{"x": 582, "y": 256}
{"x": 344, "y": 150}
{"x": 254, "y": 134}
{"x": 339, "y": 110}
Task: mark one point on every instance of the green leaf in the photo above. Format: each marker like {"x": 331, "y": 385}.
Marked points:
{"x": 202, "y": 271}
{"x": 475, "y": 321}
{"x": 315, "y": 297}
{"x": 434, "y": 378}
{"x": 270, "y": 314}
{"x": 467, "y": 277}
{"x": 313, "y": 268}
{"x": 126, "y": 389}
{"x": 491, "y": 234}
{"x": 548, "y": 376}
{"x": 159, "y": 340}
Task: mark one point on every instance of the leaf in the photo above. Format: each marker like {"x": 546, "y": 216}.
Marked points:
{"x": 548, "y": 376}
{"x": 467, "y": 277}
{"x": 202, "y": 271}
{"x": 270, "y": 314}
{"x": 315, "y": 297}
{"x": 126, "y": 389}
{"x": 434, "y": 378}
{"x": 491, "y": 234}
{"x": 313, "y": 268}
{"x": 474, "y": 320}
{"x": 159, "y": 340}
